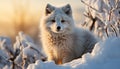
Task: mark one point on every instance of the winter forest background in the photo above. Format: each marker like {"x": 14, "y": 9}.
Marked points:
{"x": 19, "y": 34}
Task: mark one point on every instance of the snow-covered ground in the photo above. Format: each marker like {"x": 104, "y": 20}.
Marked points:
{"x": 25, "y": 54}
{"x": 105, "y": 55}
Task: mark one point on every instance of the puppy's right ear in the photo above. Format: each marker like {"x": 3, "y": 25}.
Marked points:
{"x": 49, "y": 9}
{"x": 67, "y": 9}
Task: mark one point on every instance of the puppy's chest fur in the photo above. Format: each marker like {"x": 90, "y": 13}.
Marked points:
{"x": 60, "y": 44}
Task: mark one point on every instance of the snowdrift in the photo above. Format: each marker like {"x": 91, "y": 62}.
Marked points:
{"x": 105, "y": 55}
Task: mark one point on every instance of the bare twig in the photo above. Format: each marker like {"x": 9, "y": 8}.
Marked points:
{"x": 114, "y": 30}
{"x": 106, "y": 30}
{"x": 89, "y": 6}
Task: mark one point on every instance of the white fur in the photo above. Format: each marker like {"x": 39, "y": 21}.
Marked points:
{"x": 67, "y": 44}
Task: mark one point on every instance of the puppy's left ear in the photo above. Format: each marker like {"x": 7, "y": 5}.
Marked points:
{"x": 67, "y": 9}
{"x": 49, "y": 9}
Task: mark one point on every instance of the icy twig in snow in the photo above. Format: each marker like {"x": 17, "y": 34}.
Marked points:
{"x": 26, "y": 51}
{"x": 6, "y": 45}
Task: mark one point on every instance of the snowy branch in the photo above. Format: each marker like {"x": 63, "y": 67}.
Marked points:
{"x": 19, "y": 56}
{"x": 107, "y": 13}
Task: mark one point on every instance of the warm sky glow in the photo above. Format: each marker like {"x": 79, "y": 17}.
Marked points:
{"x": 7, "y": 6}
{"x": 15, "y": 12}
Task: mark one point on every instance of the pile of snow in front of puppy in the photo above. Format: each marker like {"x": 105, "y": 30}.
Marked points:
{"x": 25, "y": 54}
{"x": 105, "y": 55}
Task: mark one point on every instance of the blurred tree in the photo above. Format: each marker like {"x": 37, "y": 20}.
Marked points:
{"x": 21, "y": 8}
{"x": 23, "y": 20}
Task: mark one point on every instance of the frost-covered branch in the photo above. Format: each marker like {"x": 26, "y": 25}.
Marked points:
{"x": 19, "y": 56}
{"x": 103, "y": 16}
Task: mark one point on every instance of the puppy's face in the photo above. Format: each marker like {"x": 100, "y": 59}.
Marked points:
{"x": 59, "y": 20}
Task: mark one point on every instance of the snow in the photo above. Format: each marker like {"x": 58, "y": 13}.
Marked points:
{"x": 105, "y": 55}
{"x": 6, "y": 51}
{"x": 102, "y": 14}
{"x": 46, "y": 65}
{"x": 26, "y": 51}
{"x": 20, "y": 54}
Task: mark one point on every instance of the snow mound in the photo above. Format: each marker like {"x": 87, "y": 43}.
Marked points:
{"x": 105, "y": 55}
{"x": 46, "y": 65}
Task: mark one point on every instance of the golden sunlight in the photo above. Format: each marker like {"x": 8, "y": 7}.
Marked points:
{"x": 24, "y": 15}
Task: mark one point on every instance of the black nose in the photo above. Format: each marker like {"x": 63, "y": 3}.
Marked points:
{"x": 58, "y": 28}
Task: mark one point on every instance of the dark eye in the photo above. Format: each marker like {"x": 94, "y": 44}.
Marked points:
{"x": 119, "y": 12}
{"x": 62, "y": 21}
{"x": 53, "y": 21}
